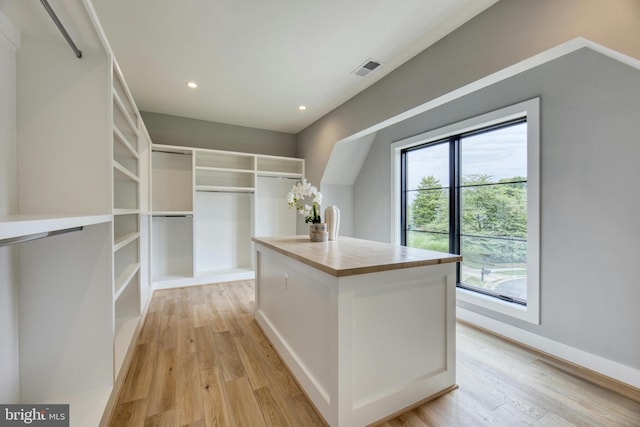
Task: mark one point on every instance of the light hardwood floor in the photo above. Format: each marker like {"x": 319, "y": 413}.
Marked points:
{"x": 201, "y": 360}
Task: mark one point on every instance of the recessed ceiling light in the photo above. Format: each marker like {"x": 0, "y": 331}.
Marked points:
{"x": 302, "y": 107}
{"x": 192, "y": 85}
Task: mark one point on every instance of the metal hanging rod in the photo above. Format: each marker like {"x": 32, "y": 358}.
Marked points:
{"x": 172, "y": 216}
{"x": 29, "y": 237}
{"x": 170, "y": 152}
{"x": 279, "y": 177}
{"x": 66, "y": 35}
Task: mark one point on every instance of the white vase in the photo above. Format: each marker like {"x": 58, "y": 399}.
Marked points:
{"x": 332, "y": 218}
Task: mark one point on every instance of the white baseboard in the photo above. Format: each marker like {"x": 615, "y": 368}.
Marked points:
{"x": 615, "y": 370}
{"x": 219, "y": 276}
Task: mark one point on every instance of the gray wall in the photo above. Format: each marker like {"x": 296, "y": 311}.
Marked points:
{"x": 590, "y": 234}
{"x": 173, "y": 130}
{"x": 342, "y": 197}
{"x": 508, "y": 32}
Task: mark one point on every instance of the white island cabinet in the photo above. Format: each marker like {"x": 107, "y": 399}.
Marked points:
{"x": 366, "y": 328}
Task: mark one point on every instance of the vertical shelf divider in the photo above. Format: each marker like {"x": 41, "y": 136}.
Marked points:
{"x": 127, "y": 302}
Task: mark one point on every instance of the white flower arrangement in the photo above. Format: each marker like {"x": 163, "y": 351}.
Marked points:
{"x": 303, "y": 193}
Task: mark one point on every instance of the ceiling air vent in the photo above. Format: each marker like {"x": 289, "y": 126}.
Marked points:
{"x": 367, "y": 67}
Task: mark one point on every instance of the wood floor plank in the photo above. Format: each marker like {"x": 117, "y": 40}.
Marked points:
{"x": 271, "y": 409}
{"x": 200, "y": 315}
{"x": 267, "y": 366}
{"x": 515, "y": 381}
{"x": 216, "y": 407}
{"x": 141, "y": 370}
{"x": 202, "y": 360}
{"x": 594, "y": 397}
{"x": 157, "y": 303}
{"x": 189, "y": 406}
{"x": 244, "y": 406}
{"x": 218, "y": 320}
{"x": 151, "y": 328}
{"x": 303, "y": 413}
{"x": 553, "y": 420}
{"x": 162, "y": 391}
{"x": 168, "y": 333}
{"x": 206, "y": 347}
{"x": 253, "y": 364}
{"x": 130, "y": 413}
{"x": 221, "y": 304}
{"x": 162, "y": 419}
{"x": 218, "y": 298}
{"x": 183, "y": 301}
{"x": 227, "y": 356}
{"x": 241, "y": 297}
{"x": 186, "y": 336}
{"x": 196, "y": 294}
{"x": 170, "y": 303}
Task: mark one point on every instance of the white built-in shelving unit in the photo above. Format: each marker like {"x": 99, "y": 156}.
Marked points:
{"x": 207, "y": 205}
{"x": 96, "y": 198}
{"x": 83, "y": 162}
{"x": 224, "y": 171}
{"x": 130, "y": 143}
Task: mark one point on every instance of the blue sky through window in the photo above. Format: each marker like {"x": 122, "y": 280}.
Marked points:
{"x": 501, "y": 153}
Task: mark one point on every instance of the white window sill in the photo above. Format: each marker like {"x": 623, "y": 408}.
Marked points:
{"x": 529, "y": 313}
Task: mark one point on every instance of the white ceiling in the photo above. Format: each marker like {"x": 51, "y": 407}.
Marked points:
{"x": 256, "y": 61}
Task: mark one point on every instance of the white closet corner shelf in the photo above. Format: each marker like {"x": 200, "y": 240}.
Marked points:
{"x": 15, "y": 227}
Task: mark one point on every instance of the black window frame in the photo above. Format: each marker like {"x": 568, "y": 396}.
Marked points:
{"x": 455, "y": 179}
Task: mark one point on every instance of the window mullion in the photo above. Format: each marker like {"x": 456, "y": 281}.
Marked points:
{"x": 454, "y": 199}
{"x": 403, "y": 198}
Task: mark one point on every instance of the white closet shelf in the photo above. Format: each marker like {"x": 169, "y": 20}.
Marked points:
{"x": 126, "y": 211}
{"x": 124, "y": 279}
{"x": 124, "y": 110}
{"x": 85, "y": 407}
{"x": 123, "y": 140}
{"x": 216, "y": 169}
{"x": 24, "y": 225}
{"x": 124, "y": 171}
{"x": 121, "y": 135}
{"x": 125, "y": 240}
{"x": 125, "y": 330}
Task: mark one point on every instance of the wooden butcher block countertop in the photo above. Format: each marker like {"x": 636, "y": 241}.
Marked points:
{"x": 348, "y": 256}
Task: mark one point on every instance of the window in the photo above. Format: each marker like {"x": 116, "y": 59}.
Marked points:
{"x": 472, "y": 189}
